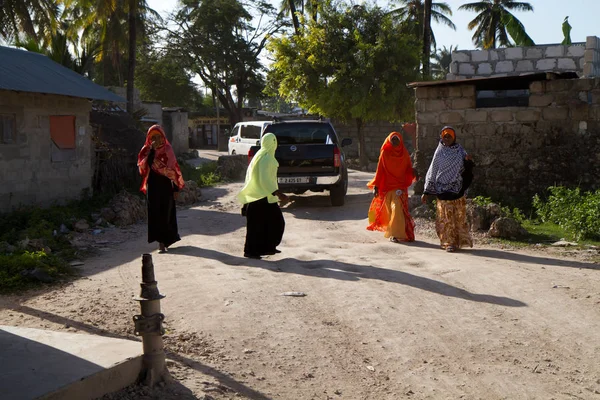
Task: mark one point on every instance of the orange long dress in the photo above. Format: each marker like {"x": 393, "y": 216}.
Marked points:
{"x": 388, "y": 212}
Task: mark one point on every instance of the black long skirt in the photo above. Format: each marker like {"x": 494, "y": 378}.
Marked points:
{"x": 162, "y": 218}
{"x": 264, "y": 228}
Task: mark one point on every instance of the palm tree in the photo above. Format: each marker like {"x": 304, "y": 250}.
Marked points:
{"x": 299, "y": 6}
{"x": 495, "y": 23}
{"x": 442, "y": 60}
{"x": 33, "y": 19}
{"x": 413, "y": 12}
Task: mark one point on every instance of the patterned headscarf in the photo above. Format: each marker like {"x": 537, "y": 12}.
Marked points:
{"x": 445, "y": 172}
{"x": 165, "y": 162}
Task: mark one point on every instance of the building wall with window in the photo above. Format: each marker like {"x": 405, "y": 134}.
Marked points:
{"x": 524, "y": 140}
{"x": 45, "y": 148}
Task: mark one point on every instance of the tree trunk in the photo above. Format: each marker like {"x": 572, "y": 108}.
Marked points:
{"x": 426, "y": 37}
{"x": 132, "y": 54}
{"x": 362, "y": 146}
{"x": 294, "y": 17}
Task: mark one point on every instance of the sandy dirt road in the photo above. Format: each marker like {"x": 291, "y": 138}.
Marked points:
{"x": 379, "y": 320}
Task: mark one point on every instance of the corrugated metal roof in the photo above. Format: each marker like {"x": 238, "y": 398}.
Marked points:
{"x": 514, "y": 78}
{"x": 26, "y": 71}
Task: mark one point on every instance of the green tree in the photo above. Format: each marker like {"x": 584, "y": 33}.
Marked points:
{"x": 495, "y": 23}
{"x": 215, "y": 39}
{"x": 441, "y": 64}
{"x": 353, "y": 64}
{"x": 33, "y": 18}
{"x": 566, "y": 28}
{"x": 162, "y": 78}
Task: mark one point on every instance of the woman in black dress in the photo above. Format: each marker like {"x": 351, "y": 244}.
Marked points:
{"x": 161, "y": 182}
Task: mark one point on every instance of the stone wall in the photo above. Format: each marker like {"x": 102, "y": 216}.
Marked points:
{"x": 375, "y": 133}
{"x": 176, "y": 127}
{"x": 518, "y": 151}
{"x": 27, "y": 172}
{"x": 516, "y": 61}
{"x": 153, "y": 111}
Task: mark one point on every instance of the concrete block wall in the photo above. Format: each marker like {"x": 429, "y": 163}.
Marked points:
{"x": 175, "y": 124}
{"x": 518, "y": 151}
{"x": 375, "y": 133}
{"x": 524, "y": 60}
{"x": 27, "y": 172}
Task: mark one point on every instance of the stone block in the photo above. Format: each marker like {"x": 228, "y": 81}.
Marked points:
{"x": 428, "y": 118}
{"x": 485, "y": 69}
{"x": 466, "y": 69}
{"x": 555, "y": 113}
{"x": 435, "y": 105}
{"x": 463, "y": 104}
{"x": 422, "y": 92}
{"x": 540, "y": 100}
{"x": 534, "y": 53}
{"x": 594, "y": 112}
{"x": 451, "y": 77}
{"x": 528, "y": 115}
{"x": 537, "y": 87}
{"x": 453, "y": 67}
{"x": 591, "y": 56}
{"x": 420, "y": 105}
{"x": 468, "y": 90}
{"x": 555, "y": 51}
{"x": 453, "y": 117}
{"x": 581, "y": 63}
{"x": 461, "y": 56}
{"x": 558, "y": 85}
{"x": 579, "y": 112}
{"x": 479, "y": 55}
{"x": 504, "y": 66}
{"x": 476, "y": 116}
{"x": 546, "y": 64}
{"x": 494, "y": 55}
{"x": 567, "y": 63}
{"x": 525, "y": 66}
{"x": 576, "y": 51}
{"x": 501, "y": 115}
{"x": 592, "y": 42}
{"x": 583, "y": 84}
{"x": 455, "y": 91}
{"x": 514, "y": 53}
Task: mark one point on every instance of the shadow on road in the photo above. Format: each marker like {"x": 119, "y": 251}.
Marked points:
{"x": 349, "y": 272}
{"x": 528, "y": 259}
{"x": 184, "y": 392}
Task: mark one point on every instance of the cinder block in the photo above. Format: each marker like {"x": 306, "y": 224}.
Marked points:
{"x": 514, "y": 53}
{"x": 504, "y": 66}
{"x": 525, "y": 66}
{"x": 555, "y": 51}
{"x": 547, "y": 64}
{"x": 479, "y": 55}
{"x": 466, "y": 69}
{"x": 567, "y": 63}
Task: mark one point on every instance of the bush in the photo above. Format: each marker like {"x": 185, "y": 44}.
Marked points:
{"x": 204, "y": 174}
{"x": 576, "y": 212}
{"x": 505, "y": 211}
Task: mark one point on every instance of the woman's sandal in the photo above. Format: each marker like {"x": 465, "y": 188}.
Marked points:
{"x": 394, "y": 240}
{"x": 450, "y": 249}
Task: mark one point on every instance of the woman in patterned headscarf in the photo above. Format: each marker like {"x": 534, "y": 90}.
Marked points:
{"x": 264, "y": 220}
{"x": 161, "y": 182}
{"x": 389, "y": 209}
{"x": 448, "y": 177}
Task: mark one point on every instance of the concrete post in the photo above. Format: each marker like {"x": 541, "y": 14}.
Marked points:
{"x": 148, "y": 325}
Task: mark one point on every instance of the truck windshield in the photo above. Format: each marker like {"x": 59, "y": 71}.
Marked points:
{"x": 302, "y": 133}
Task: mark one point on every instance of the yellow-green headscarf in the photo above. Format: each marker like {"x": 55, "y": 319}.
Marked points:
{"x": 261, "y": 176}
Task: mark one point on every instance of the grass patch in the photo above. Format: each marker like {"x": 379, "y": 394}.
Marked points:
{"x": 204, "y": 174}
{"x": 23, "y": 271}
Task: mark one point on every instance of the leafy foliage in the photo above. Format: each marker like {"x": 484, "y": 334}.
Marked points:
{"x": 161, "y": 78}
{"x": 204, "y": 174}
{"x": 215, "y": 39}
{"x": 494, "y": 23}
{"x": 442, "y": 60}
{"x": 505, "y": 211}
{"x": 575, "y": 211}
{"x": 14, "y": 268}
{"x": 353, "y": 64}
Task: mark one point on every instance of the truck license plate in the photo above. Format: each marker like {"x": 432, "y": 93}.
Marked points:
{"x": 302, "y": 179}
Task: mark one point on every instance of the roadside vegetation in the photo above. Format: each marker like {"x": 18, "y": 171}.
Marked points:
{"x": 204, "y": 174}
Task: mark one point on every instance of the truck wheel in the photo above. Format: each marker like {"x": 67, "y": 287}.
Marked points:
{"x": 337, "y": 194}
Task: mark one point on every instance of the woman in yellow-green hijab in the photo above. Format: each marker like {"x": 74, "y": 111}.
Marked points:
{"x": 264, "y": 220}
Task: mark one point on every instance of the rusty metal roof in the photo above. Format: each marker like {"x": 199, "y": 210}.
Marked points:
{"x": 25, "y": 71}
{"x": 543, "y": 76}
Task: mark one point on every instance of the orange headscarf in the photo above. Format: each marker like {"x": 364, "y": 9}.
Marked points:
{"x": 394, "y": 170}
{"x": 165, "y": 162}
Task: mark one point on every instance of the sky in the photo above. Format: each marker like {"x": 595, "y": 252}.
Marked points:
{"x": 544, "y": 25}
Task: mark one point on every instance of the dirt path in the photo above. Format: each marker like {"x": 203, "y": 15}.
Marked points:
{"x": 379, "y": 320}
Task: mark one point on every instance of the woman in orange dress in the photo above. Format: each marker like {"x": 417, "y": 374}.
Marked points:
{"x": 389, "y": 209}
